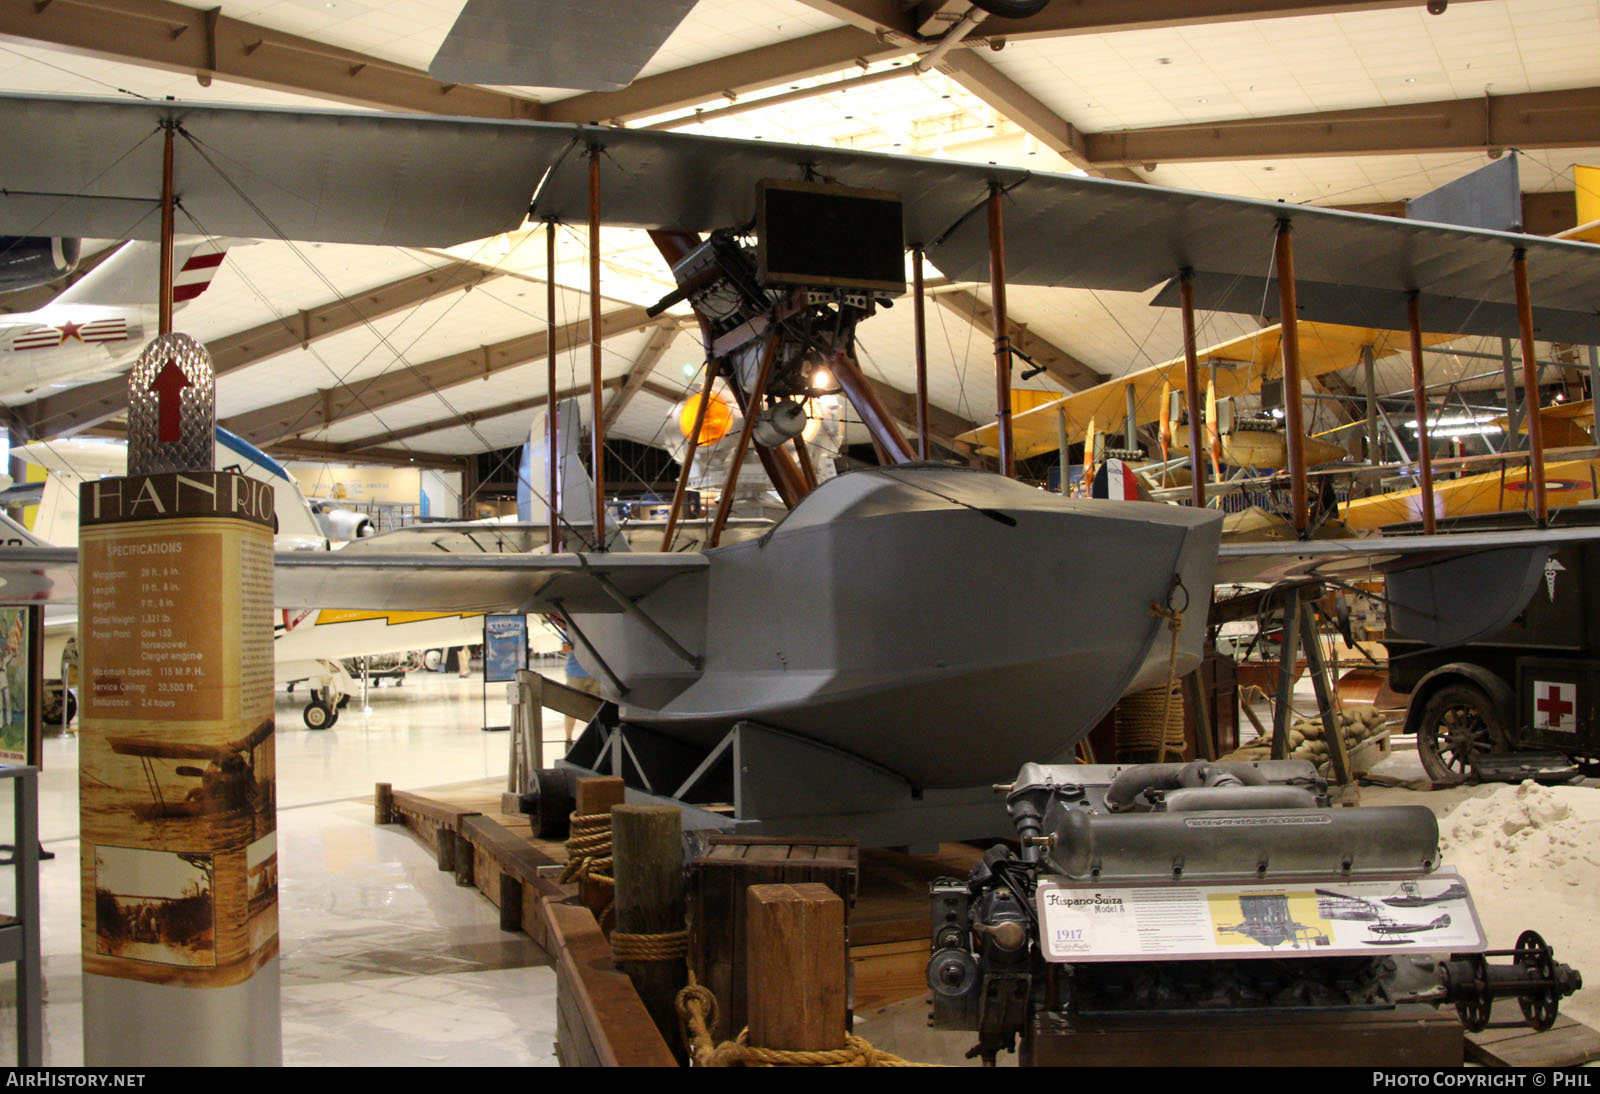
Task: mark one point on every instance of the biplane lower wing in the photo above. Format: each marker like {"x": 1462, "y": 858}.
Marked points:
{"x": 1425, "y": 576}
{"x": 1344, "y": 558}
{"x": 585, "y": 583}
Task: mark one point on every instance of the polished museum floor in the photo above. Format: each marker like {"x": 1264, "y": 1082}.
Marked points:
{"x": 385, "y": 961}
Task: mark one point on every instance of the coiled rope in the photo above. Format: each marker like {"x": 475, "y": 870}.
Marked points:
{"x": 697, "y": 1014}
{"x": 589, "y": 849}
{"x": 1174, "y": 618}
{"x": 670, "y": 946}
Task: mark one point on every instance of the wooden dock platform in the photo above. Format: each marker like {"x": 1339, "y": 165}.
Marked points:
{"x": 601, "y": 1020}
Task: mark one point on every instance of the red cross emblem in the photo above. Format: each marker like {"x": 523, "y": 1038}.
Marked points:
{"x": 1555, "y": 706}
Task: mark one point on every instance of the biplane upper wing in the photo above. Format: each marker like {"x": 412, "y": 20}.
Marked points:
{"x": 159, "y": 748}
{"x": 93, "y": 169}
{"x": 1244, "y": 363}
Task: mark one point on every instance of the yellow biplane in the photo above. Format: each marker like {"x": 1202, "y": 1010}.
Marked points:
{"x": 1237, "y": 367}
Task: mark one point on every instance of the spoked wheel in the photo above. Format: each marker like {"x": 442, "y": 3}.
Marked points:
{"x": 1542, "y": 1006}
{"x": 1459, "y": 724}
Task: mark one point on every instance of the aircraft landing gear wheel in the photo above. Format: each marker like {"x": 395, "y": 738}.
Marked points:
{"x": 1459, "y": 724}
{"x": 319, "y": 715}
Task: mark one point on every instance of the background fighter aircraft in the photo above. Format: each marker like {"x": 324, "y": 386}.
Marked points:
{"x": 30, "y": 261}
{"x": 100, "y": 323}
{"x": 864, "y": 629}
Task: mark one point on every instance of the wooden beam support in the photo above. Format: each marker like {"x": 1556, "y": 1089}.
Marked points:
{"x": 1293, "y": 413}
{"x": 451, "y": 421}
{"x": 1087, "y": 16}
{"x": 919, "y": 322}
{"x": 1530, "y": 389}
{"x": 1020, "y": 106}
{"x": 1420, "y": 403}
{"x": 943, "y": 426}
{"x": 305, "y": 414}
{"x": 1002, "y": 337}
{"x": 1059, "y": 365}
{"x": 639, "y": 372}
{"x": 209, "y": 45}
{"x": 729, "y": 77}
{"x": 1191, "y": 392}
{"x": 1483, "y": 123}
{"x": 89, "y": 404}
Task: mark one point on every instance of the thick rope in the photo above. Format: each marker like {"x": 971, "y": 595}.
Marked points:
{"x": 1174, "y": 620}
{"x": 589, "y": 849}
{"x": 670, "y": 946}
{"x": 697, "y": 1013}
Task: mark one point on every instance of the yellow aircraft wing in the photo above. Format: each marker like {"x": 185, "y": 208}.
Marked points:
{"x": 1246, "y": 361}
{"x": 1565, "y": 425}
{"x": 1566, "y": 481}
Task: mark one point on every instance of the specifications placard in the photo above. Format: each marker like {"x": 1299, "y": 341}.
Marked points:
{"x": 1429, "y": 914}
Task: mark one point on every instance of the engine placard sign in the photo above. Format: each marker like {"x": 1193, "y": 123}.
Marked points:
{"x": 1428, "y": 914}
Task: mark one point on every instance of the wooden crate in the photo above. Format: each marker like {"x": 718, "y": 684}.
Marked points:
{"x": 717, "y": 884}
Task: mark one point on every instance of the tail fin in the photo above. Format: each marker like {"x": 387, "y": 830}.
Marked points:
{"x": 13, "y": 534}
{"x": 1117, "y": 480}
{"x": 128, "y": 277}
{"x": 574, "y": 488}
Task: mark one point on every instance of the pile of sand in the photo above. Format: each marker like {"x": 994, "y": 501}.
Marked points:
{"x": 1531, "y": 857}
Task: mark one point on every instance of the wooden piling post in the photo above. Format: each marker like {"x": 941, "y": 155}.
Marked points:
{"x": 510, "y": 903}
{"x": 647, "y": 841}
{"x": 796, "y": 961}
{"x": 383, "y": 804}
{"x": 444, "y": 847}
{"x": 596, "y": 795}
{"x": 466, "y": 860}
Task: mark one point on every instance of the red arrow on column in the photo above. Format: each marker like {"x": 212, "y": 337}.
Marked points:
{"x": 168, "y": 386}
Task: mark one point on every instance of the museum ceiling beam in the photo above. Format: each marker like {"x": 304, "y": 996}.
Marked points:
{"x": 295, "y": 449}
{"x": 1485, "y": 123}
{"x": 453, "y": 421}
{"x": 1061, "y": 366}
{"x": 207, "y": 44}
{"x": 730, "y": 77}
{"x": 1544, "y": 213}
{"x": 1085, "y": 16}
{"x": 943, "y": 426}
{"x": 1034, "y": 118}
{"x": 655, "y": 349}
{"x": 77, "y": 408}
{"x": 328, "y": 407}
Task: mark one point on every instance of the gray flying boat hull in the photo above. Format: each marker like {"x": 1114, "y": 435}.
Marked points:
{"x": 944, "y": 624}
